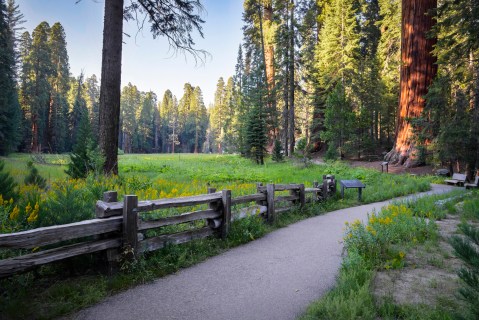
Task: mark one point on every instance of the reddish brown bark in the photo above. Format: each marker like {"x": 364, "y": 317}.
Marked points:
{"x": 269, "y": 48}
{"x": 417, "y": 72}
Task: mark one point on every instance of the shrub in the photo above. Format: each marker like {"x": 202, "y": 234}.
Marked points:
{"x": 466, "y": 250}
{"x": 34, "y": 177}
{"x": 277, "y": 152}
{"x": 7, "y": 185}
{"x": 392, "y": 225}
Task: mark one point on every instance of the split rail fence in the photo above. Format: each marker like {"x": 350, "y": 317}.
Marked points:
{"x": 120, "y": 227}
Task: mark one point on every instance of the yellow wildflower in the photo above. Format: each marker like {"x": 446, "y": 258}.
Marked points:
{"x": 28, "y": 208}
{"x": 1, "y": 200}
{"x": 402, "y": 254}
{"x": 14, "y": 213}
{"x": 11, "y": 200}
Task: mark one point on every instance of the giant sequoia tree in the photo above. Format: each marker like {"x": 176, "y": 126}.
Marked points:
{"x": 175, "y": 19}
{"x": 418, "y": 69}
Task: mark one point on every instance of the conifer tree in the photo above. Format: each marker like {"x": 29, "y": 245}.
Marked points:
{"x": 38, "y": 95}
{"x": 9, "y": 106}
{"x": 57, "y": 130}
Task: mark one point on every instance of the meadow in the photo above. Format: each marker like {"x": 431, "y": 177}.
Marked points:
{"x": 151, "y": 177}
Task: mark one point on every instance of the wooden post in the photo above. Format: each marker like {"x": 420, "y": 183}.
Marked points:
{"x": 258, "y": 185}
{"x": 302, "y": 195}
{"x": 214, "y": 206}
{"x": 316, "y": 194}
{"x": 226, "y": 200}
{"x": 325, "y": 188}
{"x": 112, "y": 255}
{"x": 130, "y": 224}
{"x": 110, "y": 196}
{"x": 270, "y": 215}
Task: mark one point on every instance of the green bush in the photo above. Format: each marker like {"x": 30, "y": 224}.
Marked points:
{"x": 466, "y": 249}
{"x": 34, "y": 177}
{"x": 7, "y": 184}
{"x": 277, "y": 155}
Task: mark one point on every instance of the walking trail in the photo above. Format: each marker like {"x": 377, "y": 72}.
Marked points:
{"x": 275, "y": 277}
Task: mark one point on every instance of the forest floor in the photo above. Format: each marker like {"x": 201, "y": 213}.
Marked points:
{"x": 422, "y": 170}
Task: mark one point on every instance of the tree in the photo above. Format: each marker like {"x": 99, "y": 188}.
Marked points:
{"x": 9, "y": 106}
{"x": 79, "y": 110}
{"x": 39, "y": 68}
{"x": 59, "y": 80}
{"x": 130, "y": 103}
{"x": 175, "y": 19}
{"x": 418, "y": 69}
{"x": 14, "y": 20}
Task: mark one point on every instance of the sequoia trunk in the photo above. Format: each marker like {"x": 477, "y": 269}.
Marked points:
{"x": 417, "y": 72}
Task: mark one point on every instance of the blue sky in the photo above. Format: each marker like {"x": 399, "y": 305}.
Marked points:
{"x": 149, "y": 64}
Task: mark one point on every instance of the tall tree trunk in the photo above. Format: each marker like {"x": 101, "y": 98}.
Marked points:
{"x": 268, "y": 44}
{"x": 291, "y": 79}
{"x": 286, "y": 111}
{"x": 110, "y": 89}
{"x": 418, "y": 69}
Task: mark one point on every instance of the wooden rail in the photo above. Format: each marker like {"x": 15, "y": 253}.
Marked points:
{"x": 120, "y": 226}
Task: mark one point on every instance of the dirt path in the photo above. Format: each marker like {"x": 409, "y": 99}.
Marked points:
{"x": 275, "y": 277}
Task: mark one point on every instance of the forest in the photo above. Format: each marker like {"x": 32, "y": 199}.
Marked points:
{"x": 330, "y": 74}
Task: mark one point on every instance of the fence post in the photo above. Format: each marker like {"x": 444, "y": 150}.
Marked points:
{"x": 316, "y": 194}
{"x": 258, "y": 185}
{"x": 226, "y": 201}
{"x": 270, "y": 214}
{"x": 325, "y": 188}
{"x": 112, "y": 255}
{"x": 213, "y": 223}
{"x": 302, "y": 195}
{"x": 130, "y": 224}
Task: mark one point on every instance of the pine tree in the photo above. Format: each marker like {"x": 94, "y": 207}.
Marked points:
{"x": 39, "y": 62}
{"x": 338, "y": 49}
{"x": 92, "y": 98}
{"x": 7, "y": 184}
{"x": 57, "y": 131}
{"x": 339, "y": 123}
{"x": 79, "y": 110}
{"x": 146, "y": 125}
{"x": 85, "y": 157}
{"x": 9, "y": 106}
{"x": 14, "y": 20}
{"x": 466, "y": 249}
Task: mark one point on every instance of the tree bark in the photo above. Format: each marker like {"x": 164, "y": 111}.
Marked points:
{"x": 110, "y": 89}
{"x": 268, "y": 46}
{"x": 418, "y": 69}
{"x": 291, "y": 80}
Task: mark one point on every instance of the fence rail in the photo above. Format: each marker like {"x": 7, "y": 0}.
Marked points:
{"x": 121, "y": 226}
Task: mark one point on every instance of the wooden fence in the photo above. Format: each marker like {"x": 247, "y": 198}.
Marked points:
{"x": 120, "y": 227}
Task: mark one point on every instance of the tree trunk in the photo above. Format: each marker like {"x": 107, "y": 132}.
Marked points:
{"x": 418, "y": 69}
{"x": 291, "y": 80}
{"x": 268, "y": 46}
{"x": 110, "y": 89}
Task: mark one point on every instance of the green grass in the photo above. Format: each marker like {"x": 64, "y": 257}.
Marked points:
{"x": 47, "y": 292}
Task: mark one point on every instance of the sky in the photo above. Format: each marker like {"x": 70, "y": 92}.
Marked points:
{"x": 148, "y": 63}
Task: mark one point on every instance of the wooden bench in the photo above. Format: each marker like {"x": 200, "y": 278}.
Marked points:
{"x": 345, "y": 184}
{"x": 457, "y": 179}
{"x": 472, "y": 185}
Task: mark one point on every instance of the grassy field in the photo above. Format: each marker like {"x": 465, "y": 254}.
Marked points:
{"x": 61, "y": 288}
{"x": 193, "y": 173}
